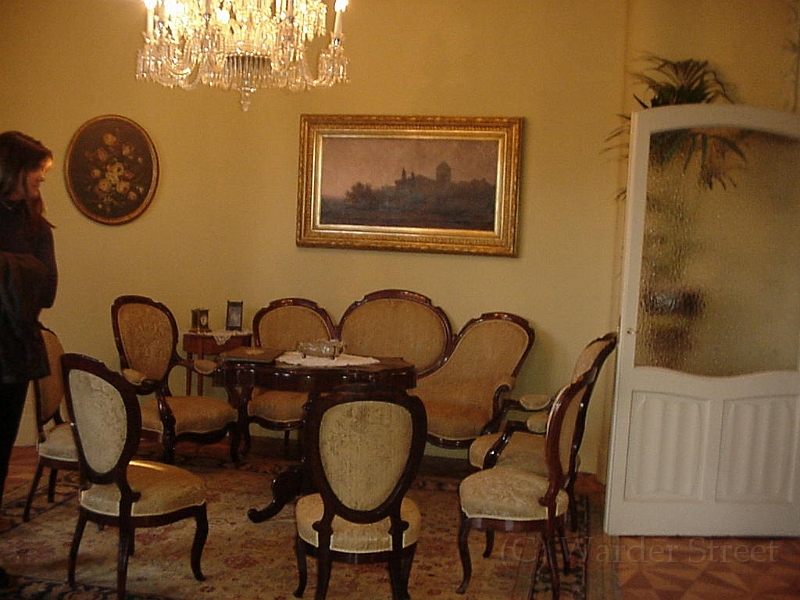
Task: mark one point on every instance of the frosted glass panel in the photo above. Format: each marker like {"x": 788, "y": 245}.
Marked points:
{"x": 720, "y": 276}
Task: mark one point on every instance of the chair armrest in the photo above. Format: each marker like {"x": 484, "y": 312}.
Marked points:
{"x": 492, "y": 456}
{"x": 200, "y": 365}
{"x": 536, "y": 402}
{"x": 537, "y": 422}
{"x": 140, "y": 381}
{"x": 204, "y": 367}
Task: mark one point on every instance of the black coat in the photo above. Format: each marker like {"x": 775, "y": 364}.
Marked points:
{"x": 22, "y": 352}
{"x": 28, "y": 282}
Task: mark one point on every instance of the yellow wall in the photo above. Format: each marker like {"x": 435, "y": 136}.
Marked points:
{"x": 222, "y": 224}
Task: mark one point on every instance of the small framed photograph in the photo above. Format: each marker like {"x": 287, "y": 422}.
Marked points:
{"x": 200, "y": 319}
{"x": 233, "y": 320}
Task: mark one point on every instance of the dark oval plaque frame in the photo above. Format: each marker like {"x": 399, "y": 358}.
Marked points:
{"x": 111, "y": 169}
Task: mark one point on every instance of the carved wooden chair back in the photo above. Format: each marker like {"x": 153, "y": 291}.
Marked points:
{"x": 146, "y": 336}
{"x": 281, "y": 326}
{"x": 119, "y": 491}
{"x": 55, "y": 447}
{"x": 465, "y": 394}
{"x": 363, "y": 446}
{"x": 398, "y": 323}
{"x": 512, "y": 500}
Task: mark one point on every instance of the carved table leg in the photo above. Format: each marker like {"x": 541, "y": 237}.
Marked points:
{"x": 286, "y": 486}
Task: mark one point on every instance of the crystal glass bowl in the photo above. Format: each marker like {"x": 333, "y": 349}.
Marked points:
{"x": 321, "y": 348}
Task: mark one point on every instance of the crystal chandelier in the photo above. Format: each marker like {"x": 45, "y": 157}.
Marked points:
{"x": 242, "y": 45}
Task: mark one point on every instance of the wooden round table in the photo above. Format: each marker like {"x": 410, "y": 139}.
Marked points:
{"x": 240, "y": 373}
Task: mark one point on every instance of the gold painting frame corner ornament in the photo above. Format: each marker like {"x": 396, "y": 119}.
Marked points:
{"x": 111, "y": 169}
{"x": 409, "y": 183}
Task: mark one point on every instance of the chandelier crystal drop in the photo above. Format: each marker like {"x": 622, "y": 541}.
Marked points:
{"x": 242, "y": 45}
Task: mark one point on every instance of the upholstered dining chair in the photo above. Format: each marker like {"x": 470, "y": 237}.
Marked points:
{"x": 118, "y": 491}
{"x": 398, "y": 323}
{"x": 281, "y": 326}
{"x": 55, "y": 446}
{"x": 146, "y": 336}
{"x": 464, "y": 396}
{"x": 512, "y": 500}
{"x": 363, "y": 446}
{"x": 520, "y": 444}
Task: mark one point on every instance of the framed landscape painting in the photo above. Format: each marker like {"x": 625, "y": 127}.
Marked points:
{"x": 425, "y": 184}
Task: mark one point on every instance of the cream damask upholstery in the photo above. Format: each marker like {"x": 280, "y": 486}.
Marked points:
{"x": 397, "y": 323}
{"x": 363, "y": 446}
{"x": 55, "y": 446}
{"x": 281, "y": 326}
{"x": 118, "y": 491}
{"x": 146, "y": 336}
{"x": 506, "y": 499}
{"x": 525, "y": 449}
{"x": 464, "y": 395}
{"x": 521, "y": 447}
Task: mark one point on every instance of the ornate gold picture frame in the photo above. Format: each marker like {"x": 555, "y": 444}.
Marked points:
{"x": 111, "y": 169}
{"x": 424, "y": 184}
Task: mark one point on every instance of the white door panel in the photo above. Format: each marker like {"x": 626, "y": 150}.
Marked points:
{"x": 706, "y": 419}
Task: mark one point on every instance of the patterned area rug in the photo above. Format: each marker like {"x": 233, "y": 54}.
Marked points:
{"x": 249, "y": 561}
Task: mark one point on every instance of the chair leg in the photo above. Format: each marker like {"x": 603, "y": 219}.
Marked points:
{"x": 552, "y": 561}
{"x": 125, "y": 549}
{"x": 245, "y": 434}
{"x": 51, "y": 485}
{"x": 200, "y": 536}
{"x": 487, "y": 552}
{"x": 73, "y": 550}
{"x": 400, "y": 572}
{"x": 408, "y": 563}
{"x": 169, "y": 453}
{"x": 302, "y": 567}
{"x": 463, "y": 551}
{"x": 26, "y": 515}
{"x": 324, "y": 561}
{"x": 235, "y": 440}
{"x": 564, "y": 546}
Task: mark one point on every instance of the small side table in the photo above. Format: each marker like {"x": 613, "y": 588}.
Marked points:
{"x": 205, "y": 343}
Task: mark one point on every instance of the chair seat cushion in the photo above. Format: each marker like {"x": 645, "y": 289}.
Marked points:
{"x": 455, "y": 421}
{"x": 524, "y": 451}
{"x": 355, "y": 538}
{"x": 277, "y": 405}
{"x": 60, "y": 444}
{"x": 164, "y": 489}
{"x": 196, "y": 414}
{"x": 508, "y": 494}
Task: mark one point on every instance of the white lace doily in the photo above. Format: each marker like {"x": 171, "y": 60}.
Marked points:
{"x": 343, "y": 360}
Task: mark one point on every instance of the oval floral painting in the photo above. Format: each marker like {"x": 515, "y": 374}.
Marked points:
{"x": 111, "y": 169}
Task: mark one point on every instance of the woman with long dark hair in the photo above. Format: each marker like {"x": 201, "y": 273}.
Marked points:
{"x": 28, "y": 281}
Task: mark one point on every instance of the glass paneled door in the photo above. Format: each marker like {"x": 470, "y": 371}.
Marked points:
{"x": 706, "y": 418}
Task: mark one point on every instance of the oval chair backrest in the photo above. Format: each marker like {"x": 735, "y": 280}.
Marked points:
{"x": 594, "y": 354}
{"x": 50, "y": 389}
{"x": 364, "y": 446}
{"x": 285, "y": 322}
{"x": 146, "y": 335}
{"x": 105, "y": 416}
{"x": 562, "y": 426}
{"x": 397, "y": 323}
{"x": 488, "y": 352}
